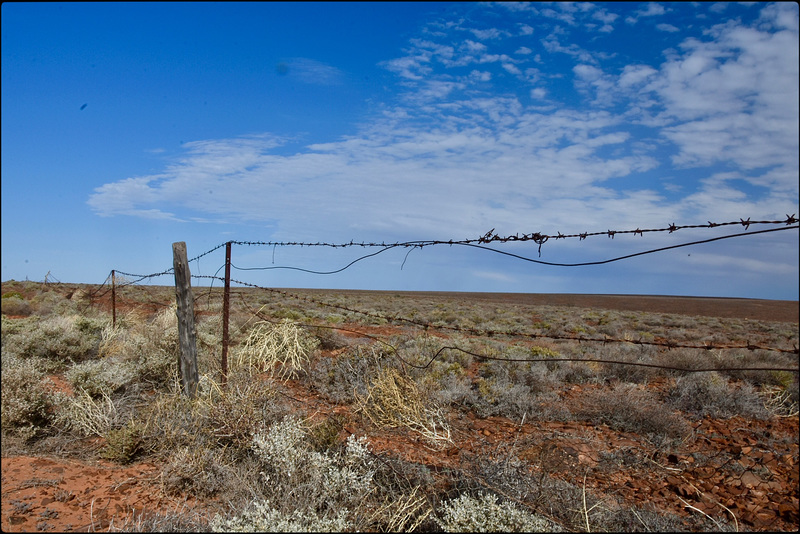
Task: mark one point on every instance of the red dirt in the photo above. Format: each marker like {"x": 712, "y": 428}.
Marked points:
{"x": 41, "y": 494}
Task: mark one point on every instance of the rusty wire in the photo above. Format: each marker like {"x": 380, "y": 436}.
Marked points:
{"x": 670, "y": 344}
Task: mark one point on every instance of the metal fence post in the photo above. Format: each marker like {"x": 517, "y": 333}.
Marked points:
{"x": 113, "y": 298}
{"x": 187, "y": 333}
{"x": 226, "y": 308}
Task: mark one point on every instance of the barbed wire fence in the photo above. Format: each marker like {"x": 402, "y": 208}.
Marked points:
{"x": 112, "y": 283}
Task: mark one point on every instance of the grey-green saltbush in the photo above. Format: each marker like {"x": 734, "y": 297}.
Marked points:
{"x": 485, "y": 514}
{"x": 312, "y": 490}
{"x": 63, "y": 338}
{"x": 26, "y": 402}
{"x": 262, "y": 518}
{"x": 712, "y": 394}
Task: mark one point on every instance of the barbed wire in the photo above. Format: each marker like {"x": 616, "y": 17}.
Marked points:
{"x": 488, "y": 237}
{"x": 524, "y": 258}
{"x": 536, "y": 237}
{"x": 508, "y": 333}
{"x": 396, "y": 351}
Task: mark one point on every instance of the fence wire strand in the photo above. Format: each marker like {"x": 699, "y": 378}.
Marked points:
{"x": 480, "y": 242}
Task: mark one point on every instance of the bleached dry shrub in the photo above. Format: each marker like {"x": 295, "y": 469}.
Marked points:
{"x": 486, "y": 514}
{"x": 234, "y": 414}
{"x": 513, "y": 388}
{"x": 198, "y": 471}
{"x": 89, "y": 415}
{"x": 26, "y": 401}
{"x": 394, "y": 401}
{"x": 140, "y": 351}
{"x": 270, "y": 344}
{"x": 101, "y": 377}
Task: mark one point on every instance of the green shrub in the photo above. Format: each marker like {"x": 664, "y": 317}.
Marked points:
{"x": 122, "y": 445}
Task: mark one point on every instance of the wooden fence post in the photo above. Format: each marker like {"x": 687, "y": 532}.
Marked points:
{"x": 226, "y": 307}
{"x": 187, "y": 333}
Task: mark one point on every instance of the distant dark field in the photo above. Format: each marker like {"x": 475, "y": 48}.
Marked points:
{"x": 761, "y": 310}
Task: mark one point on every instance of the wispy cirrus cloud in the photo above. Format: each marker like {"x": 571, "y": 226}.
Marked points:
{"x": 311, "y": 71}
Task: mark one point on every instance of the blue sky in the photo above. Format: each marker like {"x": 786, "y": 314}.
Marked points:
{"x": 129, "y": 126}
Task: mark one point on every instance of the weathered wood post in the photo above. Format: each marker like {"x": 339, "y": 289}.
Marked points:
{"x": 226, "y": 307}
{"x": 187, "y": 333}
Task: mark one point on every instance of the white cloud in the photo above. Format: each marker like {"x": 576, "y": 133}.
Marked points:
{"x": 538, "y": 93}
{"x": 524, "y": 50}
{"x": 488, "y": 34}
{"x": 635, "y": 75}
{"x": 663, "y": 27}
{"x": 552, "y": 44}
{"x": 395, "y": 178}
{"x": 733, "y": 98}
{"x": 652, "y": 9}
{"x": 718, "y": 7}
{"x": 474, "y": 47}
{"x": 482, "y": 76}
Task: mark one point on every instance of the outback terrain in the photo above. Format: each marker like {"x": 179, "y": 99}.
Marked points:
{"x": 398, "y": 411}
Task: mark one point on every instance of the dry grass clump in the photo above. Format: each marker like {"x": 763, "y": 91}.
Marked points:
{"x": 394, "y": 401}
{"x": 89, "y": 415}
{"x": 282, "y": 349}
{"x": 781, "y": 401}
